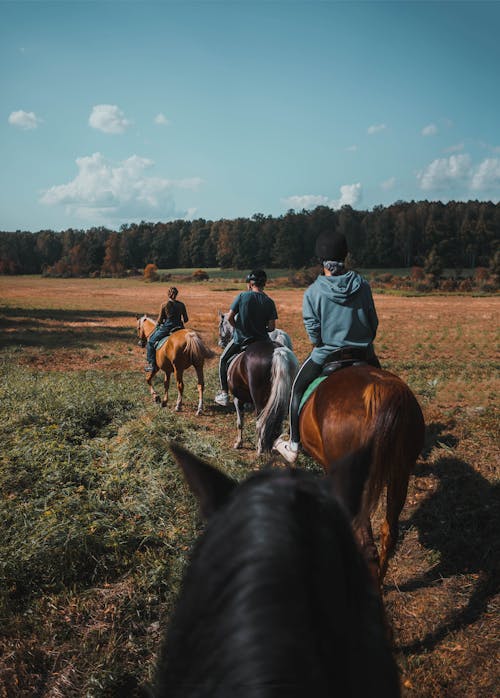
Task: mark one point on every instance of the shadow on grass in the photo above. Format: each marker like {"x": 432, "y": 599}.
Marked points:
{"x": 461, "y": 521}
{"x": 49, "y": 328}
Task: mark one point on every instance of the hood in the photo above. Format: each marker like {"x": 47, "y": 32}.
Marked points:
{"x": 340, "y": 288}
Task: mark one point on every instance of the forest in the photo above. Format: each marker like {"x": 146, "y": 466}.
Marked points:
{"x": 456, "y": 235}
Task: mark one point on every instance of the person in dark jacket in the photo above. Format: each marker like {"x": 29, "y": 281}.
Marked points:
{"x": 253, "y": 315}
{"x": 338, "y": 312}
{"x": 172, "y": 316}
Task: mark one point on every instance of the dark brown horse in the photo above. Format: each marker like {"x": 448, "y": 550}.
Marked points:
{"x": 277, "y": 600}
{"x": 183, "y": 348}
{"x": 261, "y": 376}
{"x": 350, "y": 408}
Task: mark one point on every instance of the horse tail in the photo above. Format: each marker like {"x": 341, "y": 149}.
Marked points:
{"x": 284, "y": 366}
{"x": 397, "y": 421}
{"x": 196, "y": 349}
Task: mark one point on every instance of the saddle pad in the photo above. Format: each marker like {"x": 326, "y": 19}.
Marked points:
{"x": 310, "y": 390}
{"x": 161, "y": 342}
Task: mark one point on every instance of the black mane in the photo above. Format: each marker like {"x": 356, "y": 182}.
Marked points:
{"x": 277, "y": 601}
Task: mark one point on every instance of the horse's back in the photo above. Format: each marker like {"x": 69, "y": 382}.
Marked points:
{"x": 346, "y": 409}
{"x": 249, "y": 374}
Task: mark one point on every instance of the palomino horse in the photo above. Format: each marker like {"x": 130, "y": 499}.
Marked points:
{"x": 261, "y": 375}
{"x": 277, "y": 599}
{"x": 354, "y": 406}
{"x": 183, "y": 348}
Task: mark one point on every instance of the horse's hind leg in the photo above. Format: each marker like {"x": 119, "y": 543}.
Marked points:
{"x": 364, "y": 533}
{"x": 201, "y": 386}
{"x": 180, "y": 389}
{"x": 166, "y": 385}
{"x": 239, "y": 422}
{"x": 389, "y": 532}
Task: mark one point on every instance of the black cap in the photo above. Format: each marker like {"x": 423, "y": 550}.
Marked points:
{"x": 331, "y": 246}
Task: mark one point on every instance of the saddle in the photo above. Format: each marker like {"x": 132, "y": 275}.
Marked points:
{"x": 157, "y": 345}
{"x": 341, "y": 358}
{"x": 338, "y": 359}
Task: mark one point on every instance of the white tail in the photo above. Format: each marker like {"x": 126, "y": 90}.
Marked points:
{"x": 283, "y": 369}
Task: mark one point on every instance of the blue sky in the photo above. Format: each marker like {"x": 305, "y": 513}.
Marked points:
{"x": 114, "y": 112}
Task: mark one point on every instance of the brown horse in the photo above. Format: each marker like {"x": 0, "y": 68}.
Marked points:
{"x": 350, "y": 408}
{"x": 183, "y": 348}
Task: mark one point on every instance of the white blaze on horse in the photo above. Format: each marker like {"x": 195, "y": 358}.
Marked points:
{"x": 181, "y": 350}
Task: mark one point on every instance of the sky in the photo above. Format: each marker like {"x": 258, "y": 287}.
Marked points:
{"x": 127, "y": 110}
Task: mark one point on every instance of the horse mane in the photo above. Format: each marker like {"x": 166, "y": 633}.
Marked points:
{"x": 277, "y": 601}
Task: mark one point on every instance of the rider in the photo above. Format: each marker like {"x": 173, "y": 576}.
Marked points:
{"x": 253, "y": 315}
{"x": 171, "y": 317}
{"x": 338, "y": 312}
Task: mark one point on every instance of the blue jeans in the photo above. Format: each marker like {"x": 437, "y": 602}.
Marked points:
{"x": 155, "y": 336}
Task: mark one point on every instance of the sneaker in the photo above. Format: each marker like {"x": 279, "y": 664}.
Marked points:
{"x": 222, "y": 399}
{"x": 284, "y": 449}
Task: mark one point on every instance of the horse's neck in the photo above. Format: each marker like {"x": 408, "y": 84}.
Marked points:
{"x": 148, "y": 326}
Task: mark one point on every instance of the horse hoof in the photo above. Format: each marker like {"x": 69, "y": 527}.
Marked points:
{"x": 156, "y": 398}
{"x": 199, "y": 412}
{"x": 237, "y": 444}
{"x": 178, "y": 408}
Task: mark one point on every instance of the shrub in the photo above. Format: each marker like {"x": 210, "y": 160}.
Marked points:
{"x": 303, "y": 277}
{"x": 200, "y": 275}
{"x": 417, "y": 274}
{"x": 151, "y": 272}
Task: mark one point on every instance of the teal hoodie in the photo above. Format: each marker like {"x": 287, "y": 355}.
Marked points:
{"x": 338, "y": 311}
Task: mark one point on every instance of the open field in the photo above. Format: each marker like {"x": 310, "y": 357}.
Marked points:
{"x": 97, "y": 522}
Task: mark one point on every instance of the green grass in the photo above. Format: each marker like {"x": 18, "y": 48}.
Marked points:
{"x": 92, "y": 506}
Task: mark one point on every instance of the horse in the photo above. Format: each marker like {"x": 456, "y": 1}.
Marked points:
{"x": 183, "y": 348}
{"x": 277, "y": 599}
{"x": 352, "y": 406}
{"x": 261, "y": 375}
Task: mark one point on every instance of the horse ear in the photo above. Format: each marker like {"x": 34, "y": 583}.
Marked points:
{"x": 221, "y": 314}
{"x": 348, "y": 478}
{"x": 211, "y": 487}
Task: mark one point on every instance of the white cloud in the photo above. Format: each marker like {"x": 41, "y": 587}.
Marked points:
{"x": 445, "y": 172}
{"x": 161, "y": 120}
{"x": 306, "y": 201}
{"x": 388, "y": 183}
{"x": 376, "y": 128}
{"x": 429, "y": 130}
{"x": 108, "y": 118}
{"x": 107, "y": 192}
{"x": 487, "y": 175}
{"x": 350, "y": 195}
{"x": 456, "y": 148}
{"x": 26, "y": 120}
{"x": 352, "y": 148}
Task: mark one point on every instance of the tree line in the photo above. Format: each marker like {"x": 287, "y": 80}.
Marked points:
{"x": 461, "y": 235}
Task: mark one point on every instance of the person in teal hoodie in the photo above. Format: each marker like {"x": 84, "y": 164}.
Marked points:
{"x": 338, "y": 312}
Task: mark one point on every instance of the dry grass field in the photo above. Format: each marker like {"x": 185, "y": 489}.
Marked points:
{"x": 95, "y": 634}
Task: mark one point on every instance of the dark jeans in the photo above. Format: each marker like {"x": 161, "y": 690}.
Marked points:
{"x": 307, "y": 373}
